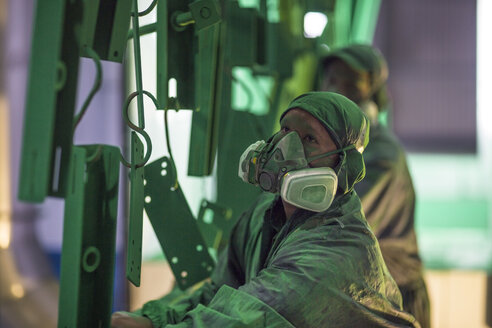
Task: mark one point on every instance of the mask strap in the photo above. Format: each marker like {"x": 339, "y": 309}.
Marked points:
{"x": 336, "y": 151}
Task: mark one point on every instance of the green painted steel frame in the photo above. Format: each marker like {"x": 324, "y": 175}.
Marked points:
{"x": 50, "y": 102}
{"x": 203, "y": 141}
{"x": 89, "y": 237}
{"x": 191, "y": 55}
{"x": 105, "y": 27}
{"x": 176, "y": 48}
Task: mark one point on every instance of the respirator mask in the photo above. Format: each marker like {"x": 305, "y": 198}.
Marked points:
{"x": 282, "y": 167}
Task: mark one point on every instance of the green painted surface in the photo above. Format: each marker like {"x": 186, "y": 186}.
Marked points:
{"x": 89, "y": 238}
{"x": 365, "y": 18}
{"x": 174, "y": 224}
{"x": 454, "y": 234}
{"x": 251, "y": 93}
{"x": 135, "y": 227}
{"x": 449, "y": 213}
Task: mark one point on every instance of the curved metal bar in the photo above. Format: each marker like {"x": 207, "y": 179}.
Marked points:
{"x": 95, "y": 87}
{"x": 144, "y": 30}
{"x": 149, "y": 9}
{"x": 138, "y": 129}
{"x": 96, "y": 155}
{"x": 148, "y": 142}
{"x": 151, "y": 96}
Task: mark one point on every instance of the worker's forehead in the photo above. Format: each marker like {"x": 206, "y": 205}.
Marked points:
{"x": 302, "y": 119}
{"x": 338, "y": 67}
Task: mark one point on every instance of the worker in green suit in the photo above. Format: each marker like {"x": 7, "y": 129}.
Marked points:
{"x": 303, "y": 255}
{"x": 388, "y": 198}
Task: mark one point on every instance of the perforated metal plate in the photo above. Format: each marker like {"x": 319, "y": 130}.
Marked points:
{"x": 134, "y": 246}
{"x": 213, "y": 221}
{"x": 174, "y": 225}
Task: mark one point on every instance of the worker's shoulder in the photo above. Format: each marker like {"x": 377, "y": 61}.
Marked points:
{"x": 345, "y": 218}
{"x": 383, "y": 146}
{"x": 333, "y": 239}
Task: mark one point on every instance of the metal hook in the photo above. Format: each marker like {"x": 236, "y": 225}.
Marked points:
{"x": 95, "y": 156}
{"x": 95, "y": 87}
{"x": 149, "y": 9}
{"x": 138, "y": 129}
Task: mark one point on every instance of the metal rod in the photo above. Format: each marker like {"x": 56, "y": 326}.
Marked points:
{"x": 183, "y": 19}
{"x": 144, "y": 30}
{"x": 97, "y": 84}
{"x": 138, "y": 65}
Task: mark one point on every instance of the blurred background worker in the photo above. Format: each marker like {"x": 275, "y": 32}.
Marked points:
{"x": 388, "y": 198}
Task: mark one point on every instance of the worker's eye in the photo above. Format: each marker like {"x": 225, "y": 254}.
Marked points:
{"x": 284, "y": 129}
{"x": 310, "y": 138}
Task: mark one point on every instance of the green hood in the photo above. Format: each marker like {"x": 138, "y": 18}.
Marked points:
{"x": 366, "y": 58}
{"x": 346, "y": 124}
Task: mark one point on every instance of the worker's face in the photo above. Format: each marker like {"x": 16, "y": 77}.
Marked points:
{"x": 340, "y": 78}
{"x": 315, "y": 139}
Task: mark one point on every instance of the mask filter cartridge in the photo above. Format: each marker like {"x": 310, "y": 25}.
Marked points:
{"x": 312, "y": 189}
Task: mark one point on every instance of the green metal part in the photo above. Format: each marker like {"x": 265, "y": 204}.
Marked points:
{"x": 281, "y": 50}
{"x": 162, "y": 46}
{"x": 343, "y": 21}
{"x": 177, "y": 46}
{"x": 365, "y": 19}
{"x": 47, "y": 133}
{"x": 205, "y": 13}
{"x": 238, "y": 131}
{"x": 97, "y": 84}
{"x": 242, "y": 35}
{"x": 213, "y": 221}
{"x": 176, "y": 50}
{"x": 203, "y": 141}
{"x": 141, "y": 131}
{"x": 105, "y": 27}
{"x": 188, "y": 52}
{"x": 89, "y": 236}
{"x": 134, "y": 244}
{"x": 138, "y": 65}
{"x": 174, "y": 225}
{"x": 252, "y": 41}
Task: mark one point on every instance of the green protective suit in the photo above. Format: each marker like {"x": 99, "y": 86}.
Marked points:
{"x": 314, "y": 270}
{"x": 388, "y": 200}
